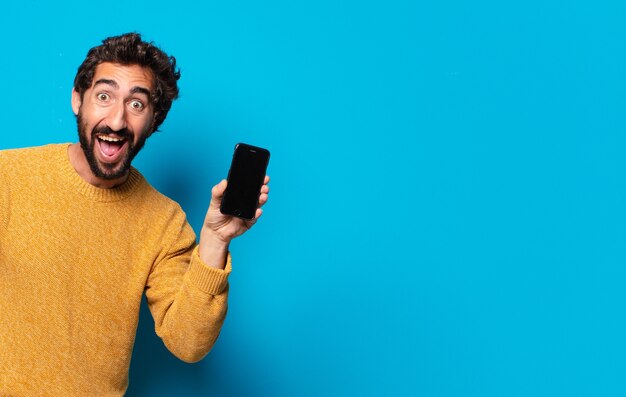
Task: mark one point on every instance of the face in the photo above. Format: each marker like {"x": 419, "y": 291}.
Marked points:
{"x": 115, "y": 117}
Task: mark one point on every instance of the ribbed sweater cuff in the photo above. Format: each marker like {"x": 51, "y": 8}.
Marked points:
{"x": 208, "y": 279}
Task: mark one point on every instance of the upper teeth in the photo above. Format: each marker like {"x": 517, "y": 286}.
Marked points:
{"x": 109, "y": 138}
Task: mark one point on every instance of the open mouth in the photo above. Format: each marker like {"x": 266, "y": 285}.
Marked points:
{"x": 111, "y": 146}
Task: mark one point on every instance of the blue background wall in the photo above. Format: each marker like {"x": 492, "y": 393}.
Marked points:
{"x": 447, "y": 215}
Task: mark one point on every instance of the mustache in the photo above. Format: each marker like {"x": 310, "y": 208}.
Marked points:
{"x": 105, "y": 130}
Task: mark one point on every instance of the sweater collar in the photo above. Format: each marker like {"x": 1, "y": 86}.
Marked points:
{"x": 94, "y": 193}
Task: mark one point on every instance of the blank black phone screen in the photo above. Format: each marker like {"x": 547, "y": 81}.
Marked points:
{"x": 245, "y": 179}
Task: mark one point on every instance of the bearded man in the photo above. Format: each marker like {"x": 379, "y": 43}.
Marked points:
{"x": 83, "y": 236}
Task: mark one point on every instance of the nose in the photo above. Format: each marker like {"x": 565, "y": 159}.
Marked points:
{"x": 116, "y": 119}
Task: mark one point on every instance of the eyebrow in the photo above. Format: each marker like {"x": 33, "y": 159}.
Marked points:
{"x": 140, "y": 90}
{"x": 134, "y": 90}
{"x": 112, "y": 83}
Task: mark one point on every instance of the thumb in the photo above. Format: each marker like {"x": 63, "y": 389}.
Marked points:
{"x": 217, "y": 193}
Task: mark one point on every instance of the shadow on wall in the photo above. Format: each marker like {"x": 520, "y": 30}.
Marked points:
{"x": 153, "y": 368}
{"x": 154, "y": 371}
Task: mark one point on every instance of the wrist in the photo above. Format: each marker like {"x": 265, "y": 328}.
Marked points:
{"x": 213, "y": 250}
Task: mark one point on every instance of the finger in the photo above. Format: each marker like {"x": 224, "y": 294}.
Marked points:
{"x": 265, "y": 189}
{"x": 251, "y": 222}
{"x": 267, "y": 180}
{"x": 262, "y": 199}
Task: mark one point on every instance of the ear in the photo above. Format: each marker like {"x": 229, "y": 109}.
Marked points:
{"x": 76, "y": 101}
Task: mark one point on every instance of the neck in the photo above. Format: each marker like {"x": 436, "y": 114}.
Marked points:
{"x": 80, "y": 164}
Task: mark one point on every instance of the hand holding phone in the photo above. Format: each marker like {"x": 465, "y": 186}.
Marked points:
{"x": 245, "y": 179}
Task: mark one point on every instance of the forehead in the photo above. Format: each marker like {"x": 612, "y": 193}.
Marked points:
{"x": 126, "y": 76}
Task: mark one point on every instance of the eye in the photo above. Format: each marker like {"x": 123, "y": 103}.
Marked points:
{"x": 136, "y": 104}
{"x": 103, "y": 96}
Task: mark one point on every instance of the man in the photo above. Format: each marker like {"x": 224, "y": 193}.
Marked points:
{"x": 83, "y": 236}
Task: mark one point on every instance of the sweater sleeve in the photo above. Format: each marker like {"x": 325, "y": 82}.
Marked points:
{"x": 187, "y": 298}
{"x": 4, "y": 193}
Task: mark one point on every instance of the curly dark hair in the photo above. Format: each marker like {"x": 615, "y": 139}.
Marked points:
{"x": 130, "y": 49}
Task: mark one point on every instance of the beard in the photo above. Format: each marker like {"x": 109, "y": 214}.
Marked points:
{"x": 103, "y": 170}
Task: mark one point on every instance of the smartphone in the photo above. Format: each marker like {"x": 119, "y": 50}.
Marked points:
{"x": 245, "y": 179}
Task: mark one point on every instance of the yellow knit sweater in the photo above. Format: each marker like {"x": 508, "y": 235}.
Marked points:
{"x": 74, "y": 263}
